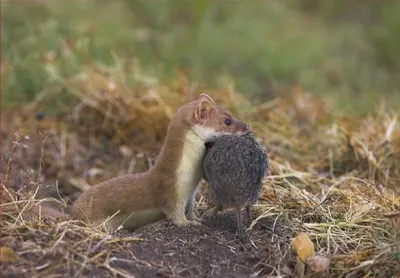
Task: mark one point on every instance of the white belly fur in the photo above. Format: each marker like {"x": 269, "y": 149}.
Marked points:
{"x": 189, "y": 172}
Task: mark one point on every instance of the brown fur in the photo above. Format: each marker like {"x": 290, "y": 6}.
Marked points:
{"x": 168, "y": 188}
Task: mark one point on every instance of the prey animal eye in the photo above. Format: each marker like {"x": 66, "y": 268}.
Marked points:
{"x": 227, "y": 121}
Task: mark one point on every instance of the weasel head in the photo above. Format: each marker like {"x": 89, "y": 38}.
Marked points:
{"x": 210, "y": 121}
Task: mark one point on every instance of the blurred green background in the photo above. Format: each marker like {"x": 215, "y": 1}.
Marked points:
{"x": 346, "y": 51}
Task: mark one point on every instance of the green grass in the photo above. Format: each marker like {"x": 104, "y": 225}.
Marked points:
{"x": 263, "y": 48}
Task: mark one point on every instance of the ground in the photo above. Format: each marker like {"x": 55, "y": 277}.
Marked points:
{"x": 333, "y": 180}
{"x": 165, "y": 250}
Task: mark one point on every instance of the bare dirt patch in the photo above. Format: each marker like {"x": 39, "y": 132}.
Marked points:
{"x": 158, "y": 250}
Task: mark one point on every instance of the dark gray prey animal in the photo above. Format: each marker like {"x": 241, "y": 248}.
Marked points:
{"x": 234, "y": 167}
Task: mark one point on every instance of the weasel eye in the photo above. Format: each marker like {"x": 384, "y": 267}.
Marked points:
{"x": 227, "y": 121}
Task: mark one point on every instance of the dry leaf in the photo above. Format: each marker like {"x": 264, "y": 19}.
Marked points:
{"x": 303, "y": 246}
{"x": 305, "y": 250}
{"x": 318, "y": 264}
{"x": 300, "y": 267}
{"x": 7, "y": 255}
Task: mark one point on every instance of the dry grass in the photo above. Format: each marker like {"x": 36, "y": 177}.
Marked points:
{"x": 331, "y": 176}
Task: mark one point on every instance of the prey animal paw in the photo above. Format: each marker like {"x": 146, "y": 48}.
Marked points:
{"x": 195, "y": 222}
{"x": 194, "y": 218}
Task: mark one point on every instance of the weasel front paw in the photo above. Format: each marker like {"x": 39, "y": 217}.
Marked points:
{"x": 184, "y": 222}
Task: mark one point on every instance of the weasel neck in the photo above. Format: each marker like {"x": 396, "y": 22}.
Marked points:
{"x": 181, "y": 146}
{"x": 189, "y": 171}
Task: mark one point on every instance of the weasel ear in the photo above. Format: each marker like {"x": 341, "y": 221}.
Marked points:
{"x": 203, "y": 110}
{"x": 205, "y": 96}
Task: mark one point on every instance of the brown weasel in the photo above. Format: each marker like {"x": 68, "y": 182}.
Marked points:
{"x": 168, "y": 188}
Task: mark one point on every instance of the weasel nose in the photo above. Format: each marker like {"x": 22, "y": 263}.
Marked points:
{"x": 249, "y": 130}
{"x": 245, "y": 128}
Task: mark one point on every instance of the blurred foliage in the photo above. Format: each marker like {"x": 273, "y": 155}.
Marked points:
{"x": 347, "y": 51}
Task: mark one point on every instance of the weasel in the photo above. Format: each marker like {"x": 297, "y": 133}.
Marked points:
{"x": 168, "y": 188}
